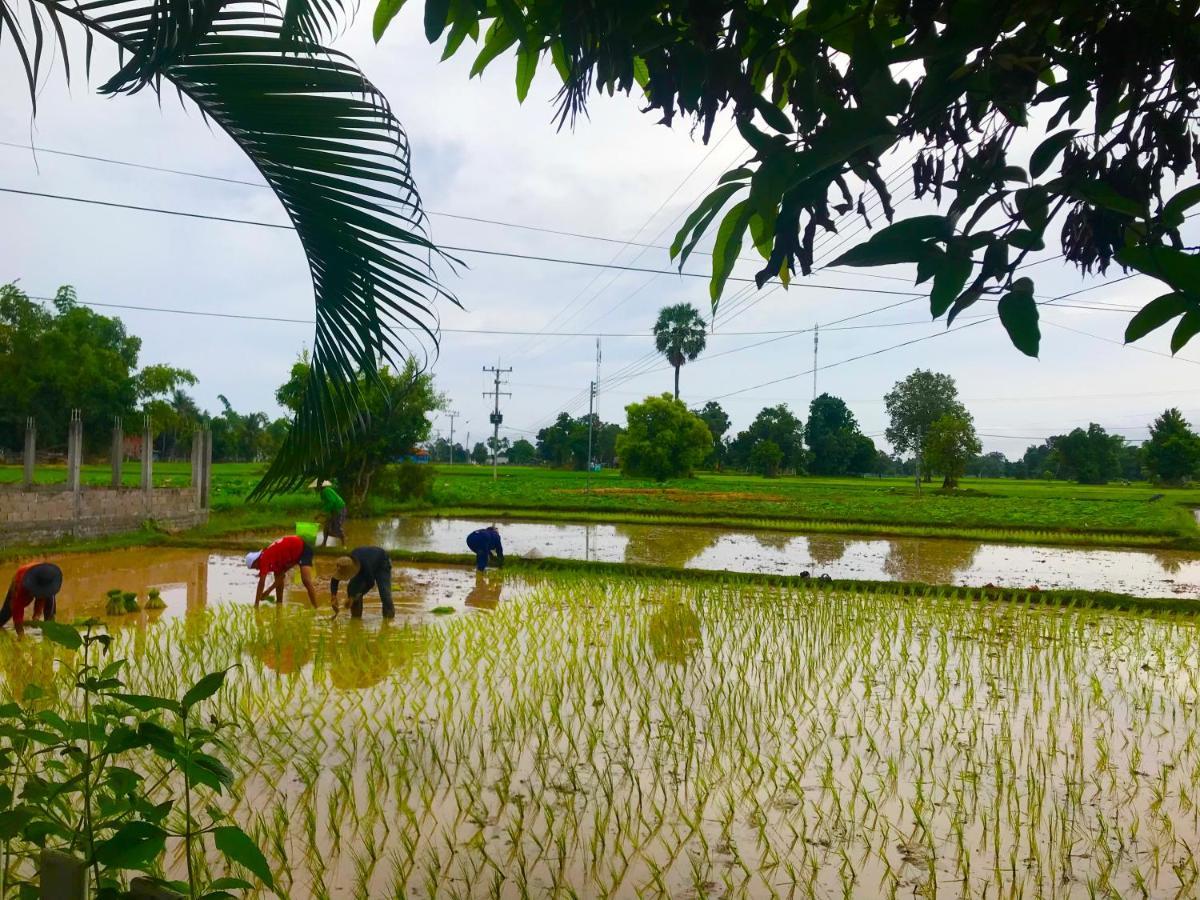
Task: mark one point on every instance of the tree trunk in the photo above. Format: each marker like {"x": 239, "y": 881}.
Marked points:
{"x": 677, "y": 382}
{"x": 949, "y": 482}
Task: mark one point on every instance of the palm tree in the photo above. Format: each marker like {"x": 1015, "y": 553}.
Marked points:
{"x": 679, "y": 336}
{"x": 325, "y": 140}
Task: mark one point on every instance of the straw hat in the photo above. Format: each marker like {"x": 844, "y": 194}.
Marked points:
{"x": 318, "y": 483}
{"x": 345, "y": 568}
{"x": 43, "y": 580}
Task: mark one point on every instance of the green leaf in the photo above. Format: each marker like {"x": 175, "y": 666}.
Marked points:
{"x": 210, "y": 771}
{"x": 1178, "y": 269}
{"x": 773, "y": 115}
{"x": 1174, "y": 208}
{"x": 498, "y": 39}
{"x": 63, "y": 635}
{"x": 384, "y": 13}
{"x": 900, "y": 242}
{"x": 1098, "y": 193}
{"x": 436, "y": 12}
{"x": 527, "y": 60}
{"x": 203, "y": 689}
{"x": 136, "y": 845}
{"x": 699, "y": 219}
{"x": 1047, "y": 151}
{"x": 231, "y": 884}
{"x": 948, "y": 282}
{"x": 727, "y": 247}
{"x": 1019, "y": 315}
{"x": 147, "y": 703}
{"x": 236, "y": 845}
{"x": 1187, "y": 328}
{"x": 1157, "y": 313}
{"x": 641, "y": 72}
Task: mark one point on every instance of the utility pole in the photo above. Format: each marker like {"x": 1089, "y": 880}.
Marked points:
{"x": 496, "y": 418}
{"x": 453, "y": 416}
{"x": 816, "y": 340}
{"x": 592, "y": 413}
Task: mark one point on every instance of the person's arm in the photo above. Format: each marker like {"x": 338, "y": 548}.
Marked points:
{"x": 261, "y": 592}
{"x": 333, "y": 592}
{"x": 18, "y": 615}
{"x": 499, "y": 552}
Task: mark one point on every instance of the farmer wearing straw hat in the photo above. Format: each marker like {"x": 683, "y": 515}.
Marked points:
{"x": 485, "y": 543}
{"x": 333, "y": 511}
{"x": 37, "y": 583}
{"x": 276, "y": 560}
{"x": 363, "y": 569}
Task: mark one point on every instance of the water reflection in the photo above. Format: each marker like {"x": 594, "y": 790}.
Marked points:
{"x": 825, "y": 550}
{"x": 665, "y": 545}
{"x": 485, "y": 594}
{"x": 674, "y": 633}
{"x": 933, "y": 562}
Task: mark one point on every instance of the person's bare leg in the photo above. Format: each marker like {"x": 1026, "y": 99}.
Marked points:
{"x": 306, "y": 576}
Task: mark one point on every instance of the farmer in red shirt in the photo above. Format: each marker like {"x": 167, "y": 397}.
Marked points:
{"x": 276, "y": 560}
{"x": 37, "y": 583}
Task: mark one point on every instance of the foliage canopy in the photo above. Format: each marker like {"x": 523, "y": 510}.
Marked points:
{"x": 663, "y": 440}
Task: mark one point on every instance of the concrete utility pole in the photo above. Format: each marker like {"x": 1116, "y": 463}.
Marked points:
{"x": 816, "y": 340}
{"x": 592, "y": 407}
{"x": 453, "y": 416}
{"x": 496, "y": 418}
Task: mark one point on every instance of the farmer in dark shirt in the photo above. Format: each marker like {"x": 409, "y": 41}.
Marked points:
{"x": 483, "y": 543}
{"x": 363, "y": 569}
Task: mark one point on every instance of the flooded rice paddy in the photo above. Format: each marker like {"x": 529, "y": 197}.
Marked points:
{"x": 606, "y": 737}
{"x": 1145, "y": 573}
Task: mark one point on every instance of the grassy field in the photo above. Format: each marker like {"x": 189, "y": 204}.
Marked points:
{"x": 998, "y": 509}
{"x": 617, "y": 737}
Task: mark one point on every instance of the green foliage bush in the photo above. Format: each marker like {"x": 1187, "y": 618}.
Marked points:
{"x": 407, "y": 481}
{"x": 765, "y": 459}
{"x": 664, "y": 439}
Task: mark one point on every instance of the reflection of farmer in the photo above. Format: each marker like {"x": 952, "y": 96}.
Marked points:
{"x": 485, "y": 594}
{"x": 363, "y": 569}
{"x": 37, "y": 583}
{"x": 333, "y": 512}
{"x": 276, "y": 560}
{"x": 483, "y": 543}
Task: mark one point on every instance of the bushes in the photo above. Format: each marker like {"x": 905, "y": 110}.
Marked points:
{"x": 664, "y": 440}
{"x": 407, "y": 481}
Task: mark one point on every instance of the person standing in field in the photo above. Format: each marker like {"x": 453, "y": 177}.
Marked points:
{"x": 276, "y": 560}
{"x": 363, "y": 569}
{"x": 37, "y": 583}
{"x": 485, "y": 543}
{"x": 333, "y": 512}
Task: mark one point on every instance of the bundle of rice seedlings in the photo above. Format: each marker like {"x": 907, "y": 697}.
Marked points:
{"x": 154, "y": 600}
{"x": 129, "y": 600}
{"x": 114, "y": 605}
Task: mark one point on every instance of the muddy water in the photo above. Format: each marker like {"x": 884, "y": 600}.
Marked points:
{"x": 190, "y": 580}
{"x": 1146, "y": 573}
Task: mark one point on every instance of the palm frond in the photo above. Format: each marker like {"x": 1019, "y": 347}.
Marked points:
{"x": 326, "y": 141}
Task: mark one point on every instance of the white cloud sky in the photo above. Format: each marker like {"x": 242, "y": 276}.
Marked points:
{"x": 477, "y": 152}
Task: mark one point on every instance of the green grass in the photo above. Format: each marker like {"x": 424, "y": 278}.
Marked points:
{"x": 993, "y": 510}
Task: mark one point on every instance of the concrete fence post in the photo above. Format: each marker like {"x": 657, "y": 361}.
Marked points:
{"x": 118, "y": 451}
{"x": 197, "y": 467}
{"x": 147, "y": 458}
{"x": 30, "y": 450}
{"x": 74, "y": 451}
{"x": 206, "y": 468}
{"x": 62, "y": 876}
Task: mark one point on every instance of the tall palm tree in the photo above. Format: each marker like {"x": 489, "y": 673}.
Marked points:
{"x": 679, "y": 336}
{"x": 325, "y": 140}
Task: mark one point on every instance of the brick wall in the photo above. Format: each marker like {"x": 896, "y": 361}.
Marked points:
{"x": 50, "y": 513}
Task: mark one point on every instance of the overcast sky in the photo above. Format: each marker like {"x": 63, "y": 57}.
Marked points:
{"x": 478, "y": 153}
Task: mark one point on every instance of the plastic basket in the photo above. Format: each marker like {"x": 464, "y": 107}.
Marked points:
{"x": 308, "y": 531}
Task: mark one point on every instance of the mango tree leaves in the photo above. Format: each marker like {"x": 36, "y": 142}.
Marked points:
{"x": 1019, "y": 315}
{"x": 1048, "y": 150}
{"x": 901, "y": 242}
{"x": 1156, "y": 313}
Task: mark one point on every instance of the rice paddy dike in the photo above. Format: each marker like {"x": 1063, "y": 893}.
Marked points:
{"x": 611, "y": 732}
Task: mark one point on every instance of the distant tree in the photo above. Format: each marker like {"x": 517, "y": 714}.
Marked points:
{"x": 1089, "y": 457}
{"x": 521, "y": 453}
{"x": 679, "y": 335}
{"x": 663, "y": 439}
{"x": 990, "y": 465}
{"x": 913, "y": 405}
{"x": 773, "y": 423}
{"x": 399, "y": 408}
{"x": 1172, "y": 454}
{"x": 1038, "y": 459}
{"x": 498, "y": 447}
{"x": 832, "y": 434}
{"x": 479, "y": 454}
{"x": 884, "y": 464}
{"x": 565, "y": 443}
{"x": 717, "y": 420}
{"x": 765, "y": 459}
{"x": 950, "y": 445}
{"x": 863, "y": 456}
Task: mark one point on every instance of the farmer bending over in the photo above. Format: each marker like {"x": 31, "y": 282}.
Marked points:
{"x": 37, "y": 583}
{"x": 363, "y": 569}
{"x": 333, "y": 509}
{"x": 276, "y": 560}
{"x": 483, "y": 543}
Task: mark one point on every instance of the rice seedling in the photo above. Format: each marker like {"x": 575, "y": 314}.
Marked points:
{"x": 114, "y": 603}
{"x": 154, "y": 600}
{"x": 612, "y": 736}
{"x": 129, "y": 602}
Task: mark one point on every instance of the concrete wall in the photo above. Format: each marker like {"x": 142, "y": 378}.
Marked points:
{"x": 31, "y": 515}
